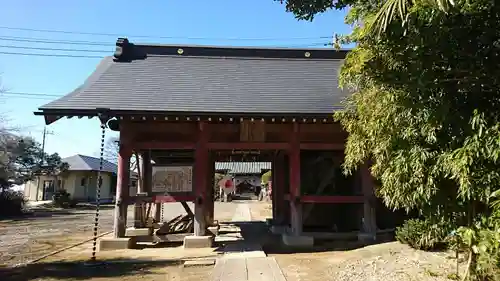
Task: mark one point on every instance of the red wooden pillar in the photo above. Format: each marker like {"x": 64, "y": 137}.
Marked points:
{"x": 273, "y": 195}
{"x": 295, "y": 204}
{"x": 122, "y": 191}
{"x": 200, "y": 181}
{"x": 369, "y": 218}
{"x": 278, "y": 174}
{"x": 210, "y": 191}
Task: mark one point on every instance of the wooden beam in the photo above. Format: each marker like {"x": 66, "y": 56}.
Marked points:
{"x": 122, "y": 191}
{"x": 322, "y": 146}
{"x": 248, "y": 145}
{"x": 369, "y": 215}
{"x": 296, "y": 222}
{"x": 49, "y": 119}
{"x": 332, "y": 199}
{"x": 164, "y": 145}
{"x": 173, "y": 198}
{"x": 329, "y": 199}
{"x": 200, "y": 180}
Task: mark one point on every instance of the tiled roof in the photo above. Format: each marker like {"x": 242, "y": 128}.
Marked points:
{"x": 87, "y": 163}
{"x": 211, "y": 80}
{"x": 242, "y": 167}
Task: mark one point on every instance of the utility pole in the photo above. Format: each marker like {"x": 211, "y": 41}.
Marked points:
{"x": 45, "y": 133}
{"x": 42, "y": 159}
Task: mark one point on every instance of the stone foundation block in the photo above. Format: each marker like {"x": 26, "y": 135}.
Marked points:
{"x": 213, "y": 230}
{"x": 297, "y": 241}
{"x": 133, "y": 232}
{"x": 191, "y": 242}
{"x": 109, "y": 244}
{"x": 367, "y": 237}
{"x": 278, "y": 229}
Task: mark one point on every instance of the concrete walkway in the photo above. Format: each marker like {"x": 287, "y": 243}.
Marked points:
{"x": 244, "y": 259}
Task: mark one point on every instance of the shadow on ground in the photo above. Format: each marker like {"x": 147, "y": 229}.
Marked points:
{"x": 257, "y": 233}
{"x": 38, "y": 212}
{"x": 80, "y": 270}
{"x": 274, "y": 245}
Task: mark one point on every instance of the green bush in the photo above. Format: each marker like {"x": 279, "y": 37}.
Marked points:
{"x": 12, "y": 202}
{"x": 62, "y": 199}
{"x": 424, "y": 234}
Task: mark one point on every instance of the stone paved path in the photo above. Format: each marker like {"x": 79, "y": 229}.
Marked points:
{"x": 244, "y": 259}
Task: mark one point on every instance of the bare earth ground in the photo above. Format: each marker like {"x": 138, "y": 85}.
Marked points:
{"x": 28, "y": 238}
{"x": 57, "y": 231}
{"x": 388, "y": 261}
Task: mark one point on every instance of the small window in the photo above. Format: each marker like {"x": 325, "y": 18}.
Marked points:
{"x": 83, "y": 182}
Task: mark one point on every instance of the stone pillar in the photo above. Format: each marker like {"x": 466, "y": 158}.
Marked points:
{"x": 369, "y": 221}
{"x": 122, "y": 191}
{"x": 295, "y": 204}
{"x": 200, "y": 181}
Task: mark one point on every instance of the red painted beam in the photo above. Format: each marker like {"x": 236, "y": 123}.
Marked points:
{"x": 325, "y": 199}
{"x": 248, "y": 145}
{"x": 331, "y": 199}
{"x": 164, "y": 145}
{"x": 322, "y": 146}
{"x": 173, "y": 198}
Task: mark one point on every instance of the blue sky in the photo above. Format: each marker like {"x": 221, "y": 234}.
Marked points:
{"x": 216, "y": 22}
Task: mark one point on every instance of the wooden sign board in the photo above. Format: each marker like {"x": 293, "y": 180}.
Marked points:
{"x": 252, "y": 131}
{"x": 170, "y": 179}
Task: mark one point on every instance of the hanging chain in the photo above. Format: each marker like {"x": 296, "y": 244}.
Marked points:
{"x": 98, "y": 191}
{"x": 162, "y": 209}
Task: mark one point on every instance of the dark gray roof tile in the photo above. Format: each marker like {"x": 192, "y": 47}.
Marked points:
{"x": 87, "y": 163}
{"x": 175, "y": 83}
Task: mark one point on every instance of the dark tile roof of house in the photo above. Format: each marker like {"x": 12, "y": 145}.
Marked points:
{"x": 207, "y": 80}
{"x": 87, "y": 163}
{"x": 242, "y": 167}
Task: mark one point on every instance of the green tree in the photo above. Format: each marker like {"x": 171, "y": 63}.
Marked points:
{"x": 424, "y": 107}
{"x": 22, "y": 159}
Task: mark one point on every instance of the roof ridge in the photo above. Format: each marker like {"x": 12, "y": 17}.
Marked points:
{"x": 242, "y": 58}
{"x": 127, "y": 51}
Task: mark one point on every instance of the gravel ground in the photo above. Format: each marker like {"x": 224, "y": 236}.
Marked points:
{"x": 388, "y": 262}
{"x": 391, "y": 261}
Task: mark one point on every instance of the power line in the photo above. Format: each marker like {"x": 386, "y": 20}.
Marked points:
{"x": 30, "y": 94}
{"x": 51, "y": 55}
{"x": 25, "y": 97}
{"x": 96, "y": 43}
{"x": 53, "y": 41}
{"x": 54, "y": 49}
{"x": 22, "y": 95}
{"x": 162, "y": 37}
{"x": 100, "y": 51}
